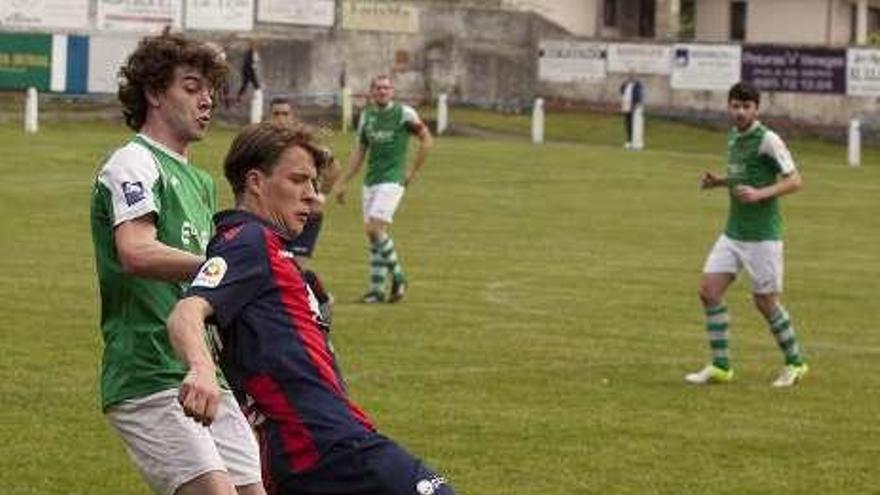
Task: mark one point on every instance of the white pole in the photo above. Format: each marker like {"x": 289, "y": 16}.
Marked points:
{"x": 257, "y": 106}
{"x": 442, "y": 114}
{"x": 638, "y": 139}
{"x": 538, "y": 121}
{"x": 345, "y": 102}
{"x": 855, "y": 143}
{"x": 862, "y": 22}
{"x": 31, "y": 124}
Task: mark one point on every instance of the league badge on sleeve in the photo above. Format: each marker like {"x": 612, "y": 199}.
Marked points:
{"x": 211, "y": 273}
{"x": 133, "y": 192}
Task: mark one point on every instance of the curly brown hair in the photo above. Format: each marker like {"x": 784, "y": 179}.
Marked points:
{"x": 151, "y": 68}
{"x": 259, "y": 146}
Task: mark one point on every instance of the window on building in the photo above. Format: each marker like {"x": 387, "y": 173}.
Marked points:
{"x": 738, "y": 20}
{"x": 609, "y": 13}
{"x": 687, "y": 20}
{"x": 873, "y": 24}
{"x": 646, "y": 18}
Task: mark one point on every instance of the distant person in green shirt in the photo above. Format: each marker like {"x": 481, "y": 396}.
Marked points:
{"x": 383, "y": 135}
{"x": 760, "y": 169}
{"x": 151, "y": 221}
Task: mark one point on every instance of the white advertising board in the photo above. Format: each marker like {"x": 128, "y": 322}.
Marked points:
{"x": 305, "y": 12}
{"x": 571, "y": 61}
{"x": 705, "y": 67}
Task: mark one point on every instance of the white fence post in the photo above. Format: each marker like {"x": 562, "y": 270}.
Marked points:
{"x": 257, "y": 106}
{"x": 442, "y": 113}
{"x": 638, "y": 130}
{"x": 31, "y": 111}
{"x": 854, "y": 147}
{"x": 345, "y": 104}
{"x": 538, "y": 121}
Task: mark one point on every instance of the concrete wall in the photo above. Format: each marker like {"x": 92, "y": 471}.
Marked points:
{"x": 712, "y": 20}
{"x": 800, "y": 109}
{"x": 485, "y": 57}
{"x": 489, "y": 58}
{"x": 580, "y": 17}
{"x": 774, "y": 21}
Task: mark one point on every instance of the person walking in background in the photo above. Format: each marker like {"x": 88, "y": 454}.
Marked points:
{"x": 250, "y": 69}
{"x": 760, "y": 169}
{"x": 631, "y": 99}
{"x": 383, "y": 136}
{"x": 279, "y": 361}
{"x": 151, "y": 220}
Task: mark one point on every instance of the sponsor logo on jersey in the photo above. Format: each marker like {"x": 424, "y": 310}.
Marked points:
{"x": 189, "y": 234}
{"x": 133, "y": 192}
{"x": 429, "y": 486}
{"x": 211, "y": 273}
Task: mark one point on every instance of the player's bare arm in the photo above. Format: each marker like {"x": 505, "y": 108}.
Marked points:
{"x": 711, "y": 180}
{"x": 199, "y": 392}
{"x": 143, "y": 255}
{"x": 355, "y": 161}
{"x": 789, "y": 183}
{"x": 426, "y": 142}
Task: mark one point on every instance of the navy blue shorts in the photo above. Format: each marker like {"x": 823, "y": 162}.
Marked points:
{"x": 374, "y": 465}
{"x": 304, "y": 244}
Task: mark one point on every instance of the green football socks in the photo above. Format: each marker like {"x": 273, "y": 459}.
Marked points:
{"x": 717, "y": 326}
{"x": 786, "y": 339}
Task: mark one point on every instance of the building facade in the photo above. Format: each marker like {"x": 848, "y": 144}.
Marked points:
{"x": 818, "y": 22}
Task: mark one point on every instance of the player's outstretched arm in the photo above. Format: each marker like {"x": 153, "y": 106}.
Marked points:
{"x": 426, "y": 142}
{"x": 199, "y": 392}
{"x": 143, "y": 255}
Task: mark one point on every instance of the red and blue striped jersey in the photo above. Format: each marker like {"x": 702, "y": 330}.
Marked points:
{"x": 273, "y": 350}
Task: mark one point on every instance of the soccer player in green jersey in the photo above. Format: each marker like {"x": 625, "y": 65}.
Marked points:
{"x": 383, "y": 136}
{"x": 759, "y": 170}
{"x": 151, "y": 220}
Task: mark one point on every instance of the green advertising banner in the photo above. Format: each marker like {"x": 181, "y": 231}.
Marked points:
{"x": 25, "y": 60}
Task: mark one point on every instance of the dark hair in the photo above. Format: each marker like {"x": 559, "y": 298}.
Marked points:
{"x": 259, "y": 146}
{"x": 279, "y": 100}
{"x": 378, "y": 77}
{"x": 743, "y": 91}
{"x": 151, "y": 68}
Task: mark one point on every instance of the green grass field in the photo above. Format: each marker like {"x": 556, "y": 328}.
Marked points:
{"x": 551, "y": 317}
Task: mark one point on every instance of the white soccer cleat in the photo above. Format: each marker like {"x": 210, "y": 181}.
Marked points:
{"x": 791, "y": 374}
{"x": 709, "y": 375}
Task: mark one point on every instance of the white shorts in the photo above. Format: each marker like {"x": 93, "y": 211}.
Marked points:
{"x": 170, "y": 449}
{"x": 761, "y": 259}
{"x": 380, "y": 201}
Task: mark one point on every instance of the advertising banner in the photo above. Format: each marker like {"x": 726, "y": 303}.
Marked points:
{"x": 863, "y": 72}
{"x": 25, "y": 60}
{"x": 73, "y": 14}
{"x": 797, "y": 70}
{"x": 705, "y": 67}
{"x": 377, "y": 15}
{"x": 571, "y": 61}
{"x": 147, "y": 16}
{"x": 305, "y": 12}
{"x": 639, "y": 58}
{"x": 220, "y": 15}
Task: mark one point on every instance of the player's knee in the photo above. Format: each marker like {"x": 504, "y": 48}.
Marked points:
{"x": 710, "y": 296}
{"x": 766, "y": 303}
